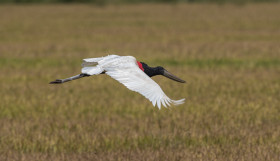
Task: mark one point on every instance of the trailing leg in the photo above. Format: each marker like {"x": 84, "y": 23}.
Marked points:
{"x": 59, "y": 81}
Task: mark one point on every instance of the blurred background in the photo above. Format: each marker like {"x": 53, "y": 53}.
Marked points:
{"x": 133, "y": 1}
{"x": 228, "y": 52}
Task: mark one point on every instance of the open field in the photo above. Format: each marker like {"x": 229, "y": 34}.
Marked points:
{"x": 229, "y": 55}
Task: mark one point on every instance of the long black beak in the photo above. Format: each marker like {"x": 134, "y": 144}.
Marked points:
{"x": 173, "y": 77}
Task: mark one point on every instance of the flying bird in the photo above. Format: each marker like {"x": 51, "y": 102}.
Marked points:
{"x": 131, "y": 73}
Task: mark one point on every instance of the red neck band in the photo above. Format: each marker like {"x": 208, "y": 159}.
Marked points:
{"x": 140, "y": 66}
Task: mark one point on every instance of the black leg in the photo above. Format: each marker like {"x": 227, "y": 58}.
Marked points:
{"x": 59, "y": 81}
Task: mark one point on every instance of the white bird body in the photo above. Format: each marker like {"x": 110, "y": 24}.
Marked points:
{"x": 125, "y": 69}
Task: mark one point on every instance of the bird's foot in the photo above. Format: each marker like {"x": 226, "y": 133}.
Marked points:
{"x": 58, "y": 81}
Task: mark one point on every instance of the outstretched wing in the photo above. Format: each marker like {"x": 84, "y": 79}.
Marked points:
{"x": 127, "y": 72}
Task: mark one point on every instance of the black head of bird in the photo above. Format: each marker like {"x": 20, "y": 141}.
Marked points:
{"x": 153, "y": 71}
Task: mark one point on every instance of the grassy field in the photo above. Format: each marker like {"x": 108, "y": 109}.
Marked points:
{"x": 228, "y": 54}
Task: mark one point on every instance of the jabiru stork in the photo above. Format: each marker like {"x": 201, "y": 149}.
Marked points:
{"x": 131, "y": 73}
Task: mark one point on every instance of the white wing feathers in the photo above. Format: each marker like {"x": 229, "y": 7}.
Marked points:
{"x": 127, "y": 72}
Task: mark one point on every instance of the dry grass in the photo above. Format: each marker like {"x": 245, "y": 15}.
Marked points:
{"x": 229, "y": 55}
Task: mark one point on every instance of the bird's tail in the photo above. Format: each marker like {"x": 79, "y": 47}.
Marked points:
{"x": 95, "y": 70}
{"x": 59, "y": 81}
